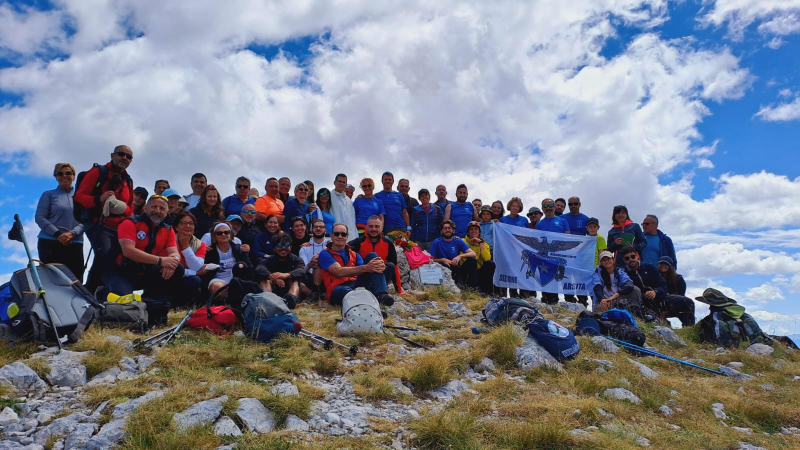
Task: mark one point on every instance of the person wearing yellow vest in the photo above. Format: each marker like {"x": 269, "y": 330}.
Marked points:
{"x": 343, "y": 270}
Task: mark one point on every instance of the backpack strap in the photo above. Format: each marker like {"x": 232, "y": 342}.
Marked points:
{"x": 86, "y": 319}
{"x": 75, "y": 284}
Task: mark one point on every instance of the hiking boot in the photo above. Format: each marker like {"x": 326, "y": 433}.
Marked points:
{"x": 386, "y": 300}
{"x": 291, "y": 300}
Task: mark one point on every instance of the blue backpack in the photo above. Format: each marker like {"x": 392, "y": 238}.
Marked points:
{"x": 265, "y": 316}
{"x": 500, "y": 311}
{"x": 619, "y": 316}
{"x": 8, "y": 305}
{"x": 586, "y": 325}
{"x": 556, "y": 339}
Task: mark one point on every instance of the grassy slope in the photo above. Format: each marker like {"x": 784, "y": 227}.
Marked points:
{"x": 535, "y": 413}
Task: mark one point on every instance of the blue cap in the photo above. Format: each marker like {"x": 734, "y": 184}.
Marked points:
{"x": 170, "y": 193}
{"x": 233, "y": 217}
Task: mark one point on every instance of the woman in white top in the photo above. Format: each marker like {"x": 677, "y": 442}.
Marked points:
{"x": 232, "y": 261}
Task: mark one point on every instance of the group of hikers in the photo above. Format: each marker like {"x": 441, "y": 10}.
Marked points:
{"x": 323, "y": 244}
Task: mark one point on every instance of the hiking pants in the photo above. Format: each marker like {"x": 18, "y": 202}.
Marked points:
{"x": 680, "y": 307}
{"x": 486, "y": 277}
{"x": 582, "y": 299}
{"x": 105, "y": 245}
{"x": 122, "y": 282}
{"x": 466, "y": 274}
{"x": 51, "y": 251}
{"x": 373, "y": 282}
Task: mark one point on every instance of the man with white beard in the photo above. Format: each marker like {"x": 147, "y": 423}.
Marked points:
{"x": 149, "y": 259}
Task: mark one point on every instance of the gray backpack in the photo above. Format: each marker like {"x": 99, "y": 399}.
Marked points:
{"x": 361, "y": 314}
{"x": 71, "y": 305}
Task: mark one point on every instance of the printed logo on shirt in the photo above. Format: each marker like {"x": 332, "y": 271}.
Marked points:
{"x": 141, "y": 235}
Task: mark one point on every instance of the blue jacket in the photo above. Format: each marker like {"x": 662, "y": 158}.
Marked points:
{"x": 425, "y": 226}
{"x": 639, "y": 241}
{"x": 624, "y": 284}
{"x": 667, "y": 249}
{"x": 487, "y": 233}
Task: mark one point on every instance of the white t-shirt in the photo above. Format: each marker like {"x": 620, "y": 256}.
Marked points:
{"x": 226, "y": 263}
{"x": 206, "y": 239}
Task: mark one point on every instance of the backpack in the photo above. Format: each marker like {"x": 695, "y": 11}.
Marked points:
{"x": 586, "y": 325}
{"x": 503, "y": 310}
{"x": 24, "y": 317}
{"x": 361, "y": 314}
{"x": 265, "y": 316}
{"x": 217, "y": 319}
{"x": 619, "y": 324}
{"x": 84, "y": 215}
{"x": 723, "y": 328}
{"x": 556, "y": 339}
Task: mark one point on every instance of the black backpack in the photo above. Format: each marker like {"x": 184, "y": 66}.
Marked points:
{"x": 723, "y": 329}
{"x": 72, "y": 306}
{"x": 619, "y": 324}
{"x": 84, "y": 215}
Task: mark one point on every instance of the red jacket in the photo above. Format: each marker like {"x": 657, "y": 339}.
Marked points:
{"x": 332, "y": 281}
{"x": 124, "y": 192}
{"x": 383, "y": 248}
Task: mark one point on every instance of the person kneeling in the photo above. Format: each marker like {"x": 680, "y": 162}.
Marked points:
{"x": 450, "y": 251}
{"x": 343, "y": 270}
{"x": 282, "y": 272}
{"x": 149, "y": 258}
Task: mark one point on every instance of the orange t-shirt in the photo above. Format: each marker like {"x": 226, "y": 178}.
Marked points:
{"x": 268, "y": 205}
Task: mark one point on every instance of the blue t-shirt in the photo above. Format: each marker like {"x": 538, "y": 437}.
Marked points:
{"x": 368, "y": 207}
{"x": 652, "y": 252}
{"x": 233, "y": 205}
{"x": 518, "y": 222}
{"x": 577, "y": 223}
{"x": 442, "y": 205}
{"x": 443, "y": 249}
{"x": 326, "y": 217}
{"x": 326, "y": 259}
{"x": 394, "y": 204}
{"x": 556, "y": 224}
{"x": 293, "y": 208}
{"x": 461, "y": 214}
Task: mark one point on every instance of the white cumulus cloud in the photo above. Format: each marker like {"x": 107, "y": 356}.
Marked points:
{"x": 780, "y": 113}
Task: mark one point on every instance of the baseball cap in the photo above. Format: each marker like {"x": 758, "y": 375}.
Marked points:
{"x": 233, "y": 217}
{"x": 170, "y": 193}
{"x": 350, "y": 186}
{"x": 534, "y": 210}
{"x": 423, "y": 191}
{"x": 141, "y": 190}
{"x": 473, "y": 224}
{"x": 606, "y": 254}
{"x": 593, "y": 220}
{"x": 486, "y": 208}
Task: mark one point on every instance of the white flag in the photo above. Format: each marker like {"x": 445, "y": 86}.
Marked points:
{"x": 542, "y": 260}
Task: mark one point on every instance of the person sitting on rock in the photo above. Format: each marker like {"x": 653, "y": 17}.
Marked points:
{"x": 613, "y": 288}
{"x": 449, "y": 251}
{"x": 373, "y": 241}
{"x": 283, "y": 272}
{"x": 654, "y": 289}
{"x": 343, "y": 270}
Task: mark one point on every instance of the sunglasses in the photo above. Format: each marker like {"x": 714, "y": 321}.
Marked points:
{"x": 159, "y": 196}
{"x": 339, "y": 233}
{"x": 629, "y": 257}
{"x": 318, "y": 226}
{"x": 324, "y": 194}
{"x": 125, "y": 155}
{"x": 283, "y": 245}
{"x": 647, "y": 223}
{"x": 65, "y": 174}
{"x": 242, "y": 186}
{"x": 551, "y": 205}
{"x": 222, "y": 233}
{"x": 248, "y": 212}
{"x": 187, "y": 224}
{"x": 366, "y": 185}
{"x": 303, "y": 190}
{"x": 574, "y": 204}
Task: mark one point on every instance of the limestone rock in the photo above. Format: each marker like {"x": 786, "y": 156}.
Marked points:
{"x": 203, "y": 413}
{"x": 449, "y": 391}
{"x": 285, "y": 390}
{"x": 255, "y": 416}
{"x": 8, "y": 417}
{"x": 485, "y": 365}
{"x": 398, "y": 387}
{"x": 576, "y": 308}
{"x": 294, "y": 423}
{"x": 109, "y": 436}
{"x": 604, "y": 344}
{"x": 456, "y": 309}
{"x": 22, "y": 377}
{"x": 668, "y": 335}
{"x": 80, "y": 435}
{"x": 760, "y": 350}
{"x": 225, "y": 426}
{"x": 60, "y": 427}
{"x": 66, "y": 369}
{"x": 531, "y": 356}
{"x": 735, "y": 374}
{"x": 622, "y": 394}
{"x": 646, "y": 371}
{"x": 124, "y": 409}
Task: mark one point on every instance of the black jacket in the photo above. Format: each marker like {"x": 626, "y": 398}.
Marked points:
{"x": 204, "y": 222}
{"x": 293, "y": 265}
{"x": 243, "y": 269}
{"x": 648, "y": 278}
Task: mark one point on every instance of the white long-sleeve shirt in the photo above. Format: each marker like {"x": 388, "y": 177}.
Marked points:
{"x": 343, "y": 211}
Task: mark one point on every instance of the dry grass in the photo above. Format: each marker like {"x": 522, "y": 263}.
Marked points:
{"x": 431, "y": 370}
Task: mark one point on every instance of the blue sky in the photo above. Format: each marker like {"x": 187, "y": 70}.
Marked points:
{"x": 447, "y": 93}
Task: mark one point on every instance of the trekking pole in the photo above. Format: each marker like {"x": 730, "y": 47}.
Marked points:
{"x": 37, "y": 281}
{"x": 649, "y": 352}
{"x": 327, "y": 344}
{"x": 415, "y": 344}
{"x": 177, "y": 329}
{"x": 400, "y": 328}
{"x": 353, "y": 350}
{"x": 154, "y": 338}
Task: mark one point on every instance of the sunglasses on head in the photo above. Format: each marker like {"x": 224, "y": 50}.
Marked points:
{"x": 283, "y": 245}
{"x": 242, "y": 186}
{"x": 222, "y": 233}
{"x": 551, "y": 205}
{"x": 125, "y": 155}
{"x": 68, "y": 173}
{"x": 249, "y": 212}
{"x": 159, "y": 196}
{"x": 630, "y": 257}
{"x": 574, "y": 204}
{"x": 339, "y": 233}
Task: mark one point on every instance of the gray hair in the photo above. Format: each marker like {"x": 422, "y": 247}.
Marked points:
{"x": 652, "y": 216}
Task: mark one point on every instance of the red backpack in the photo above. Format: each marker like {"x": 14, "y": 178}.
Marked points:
{"x": 218, "y": 319}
